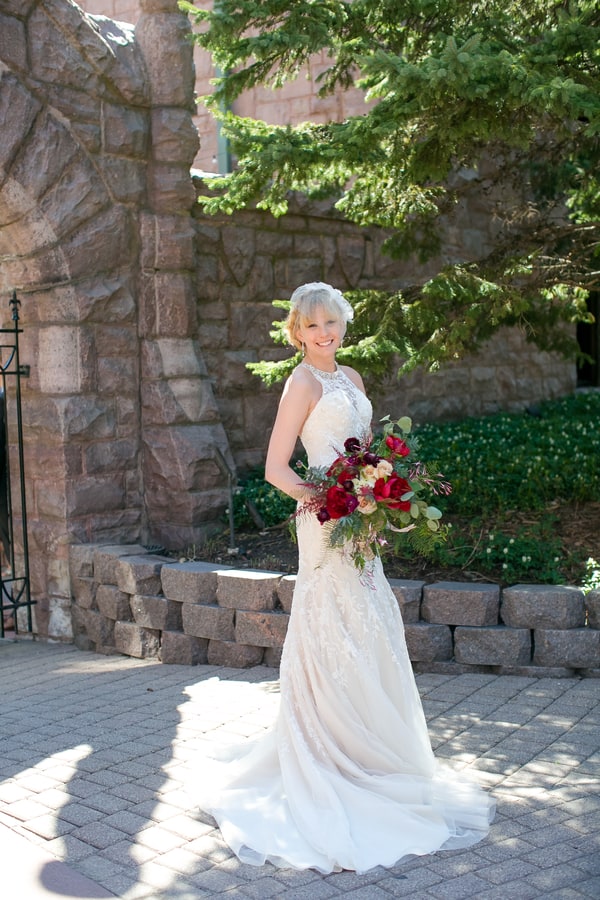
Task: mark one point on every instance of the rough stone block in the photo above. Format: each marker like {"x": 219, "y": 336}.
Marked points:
{"x": 408, "y": 594}
{"x": 133, "y": 640}
{"x": 84, "y": 592}
{"x": 428, "y": 643}
{"x": 191, "y": 582}
{"x": 140, "y": 574}
{"x": 79, "y": 626}
{"x": 113, "y": 603}
{"x": 212, "y": 622}
{"x": 156, "y": 612}
{"x": 460, "y": 603}
{"x": 272, "y": 657}
{"x": 285, "y": 592}
{"x": 238, "y": 656}
{"x": 98, "y": 628}
{"x": 575, "y": 648}
{"x": 544, "y": 606}
{"x": 106, "y": 557}
{"x": 492, "y": 646}
{"x": 262, "y": 629}
{"x": 183, "y": 649}
{"x": 592, "y": 604}
{"x": 238, "y": 589}
{"x": 81, "y": 560}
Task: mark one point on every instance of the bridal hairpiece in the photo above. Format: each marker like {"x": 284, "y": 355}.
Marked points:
{"x": 332, "y": 293}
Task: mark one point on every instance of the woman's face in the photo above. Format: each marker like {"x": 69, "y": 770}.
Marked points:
{"x": 321, "y": 333}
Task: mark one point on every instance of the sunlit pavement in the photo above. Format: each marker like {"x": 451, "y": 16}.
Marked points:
{"x": 97, "y": 758}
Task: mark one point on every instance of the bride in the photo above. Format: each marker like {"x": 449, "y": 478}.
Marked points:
{"x": 346, "y": 778}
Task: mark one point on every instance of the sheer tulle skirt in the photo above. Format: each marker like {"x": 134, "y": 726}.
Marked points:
{"x": 346, "y": 778}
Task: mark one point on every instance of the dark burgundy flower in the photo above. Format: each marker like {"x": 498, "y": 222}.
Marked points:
{"x": 339, "y": 502}
{"x": 371, "y": 459}
{"x": 352, "y": 445}
{"x": 323, "y": 516}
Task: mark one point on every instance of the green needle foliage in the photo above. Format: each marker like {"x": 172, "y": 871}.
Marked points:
{"x": 452, "y": 86}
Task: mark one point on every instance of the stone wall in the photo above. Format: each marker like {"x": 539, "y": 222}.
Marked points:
{"x": 130, "y": 602}
{"x": 247, "y": 261}
{"x": 96, "y": 237}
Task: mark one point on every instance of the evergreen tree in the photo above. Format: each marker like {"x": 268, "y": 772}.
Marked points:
{"x": 512, "y": 87}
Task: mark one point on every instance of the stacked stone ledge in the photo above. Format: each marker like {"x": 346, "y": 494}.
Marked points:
{"x": 129, "y": 601}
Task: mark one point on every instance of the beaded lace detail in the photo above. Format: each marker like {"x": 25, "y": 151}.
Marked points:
{"x": 343, "y": 411}
{"x": 336, "y": 381}
{"x": 320, "y": 374}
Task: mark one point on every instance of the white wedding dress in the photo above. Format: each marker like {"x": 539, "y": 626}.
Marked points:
{"x": 346, "y": 778}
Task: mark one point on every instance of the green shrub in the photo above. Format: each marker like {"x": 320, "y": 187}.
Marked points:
{"x": 271, "y": 504}
{"x": 501, "y": 467}
{"x": 518, "y": 461}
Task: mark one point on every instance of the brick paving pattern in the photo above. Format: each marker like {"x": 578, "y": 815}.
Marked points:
{"x": 97, "y": 756}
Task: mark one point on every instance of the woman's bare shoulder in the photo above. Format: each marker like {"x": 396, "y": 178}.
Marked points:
{"x": 301, "y": 383}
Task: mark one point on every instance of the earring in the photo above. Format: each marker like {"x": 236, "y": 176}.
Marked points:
{"x": 303, "y": 348}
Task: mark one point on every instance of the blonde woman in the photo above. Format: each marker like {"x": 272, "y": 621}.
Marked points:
{"x": 346, "y": 778}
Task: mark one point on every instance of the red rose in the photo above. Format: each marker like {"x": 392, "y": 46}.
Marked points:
{"x": 339, "y": 503}
{"x": 390, "y": 490}
{"x": 397, "y": 445}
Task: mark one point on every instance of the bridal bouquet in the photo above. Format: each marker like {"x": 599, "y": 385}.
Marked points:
{"x": 377, "y": 494}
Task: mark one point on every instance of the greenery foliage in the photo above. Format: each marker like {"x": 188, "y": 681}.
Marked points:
{"x": 498, "y": 93}
{"x": 501, "y": 467}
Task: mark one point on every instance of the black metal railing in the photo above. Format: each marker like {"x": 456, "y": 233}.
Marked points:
{"x": 15, "y": 591}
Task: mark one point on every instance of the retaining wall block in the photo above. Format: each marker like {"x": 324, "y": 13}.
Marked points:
{"x": 272, "y": 657}
{"x": 428, "y": 643}
{"x": 263, "y": 629}
{"x": 592, "y": 604}
{"x": 106, "y": 558}
{"x": 133, "y": 640}
{"x": 576, "y": 648}
{"x": 80, "y": 636}
{"x": 460, "y": 603}
{"x": 140, "y": 574}
{"x": 234, "y": 655}
{"x": 158, "y": 613}
{"x": 212, "y": 622}
{"x": 191, "y": 582}
{"x": 84, "y": 592}
{"x": 81, "y": 560}
{"x": 98, "y": 628}
{"x": 183, "y": 649}
{"x": 408, "y": 593}
{"x": 285, "y": 592}
{"x": 494, "y": 645}
{"x": 544, "y": 606}
{"x": 247, "y": 589}
{"x": 113, "y": 603}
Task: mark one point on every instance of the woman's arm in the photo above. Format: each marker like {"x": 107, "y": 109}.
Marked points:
{"x": 297, "y": 400}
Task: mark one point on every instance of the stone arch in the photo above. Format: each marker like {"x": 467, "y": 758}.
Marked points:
{"x": 96, "y": 144}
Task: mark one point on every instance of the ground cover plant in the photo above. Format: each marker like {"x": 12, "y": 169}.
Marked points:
{"x": 525, "y": 505}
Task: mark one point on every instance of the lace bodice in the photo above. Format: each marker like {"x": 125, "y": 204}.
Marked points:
{"x": 343, "y": 411}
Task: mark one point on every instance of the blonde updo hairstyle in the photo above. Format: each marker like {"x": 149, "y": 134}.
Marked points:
{"x": 306, "y": 299}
